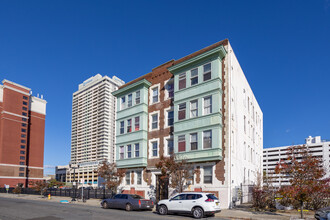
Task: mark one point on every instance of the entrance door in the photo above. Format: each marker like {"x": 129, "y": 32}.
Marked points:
{"x": 161, "y": 188}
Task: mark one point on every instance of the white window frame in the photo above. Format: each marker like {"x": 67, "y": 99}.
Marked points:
{"x": 185, "y": 111}
{"x": 129, "y": 103}
{"x": 204, "y": 138}
{"x": 212, "y": 172}
{"x": 138, "y": 123}
{"x": 137, "y": 97}
{"x": 121, "y": 147}
{"x": 191, "y": 135}
{"x": 127, "y": 151}
{"x": 211, "y": 104}
{"x": 122, "y": 104}
{"x": 151, "y": 149}
{"x": 136, "y": 150}
{"x": 196, "y": 109}
{"x": 185, "y": 78}
{"x": 193, "y": 77}
{"x": 166, "y": 110}
{"x": 167, "y": 93}
{"x": 136, "y": 172}
{"x": 207, "y": 72}
{"x": 122, "y": 127}
{"x": 151, "y": 94}
{"x": 150, "y": 121}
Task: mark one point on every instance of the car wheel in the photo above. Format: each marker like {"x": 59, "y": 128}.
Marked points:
{"x": 198, "y": 212}
{"x": 162, "y": 210}
{"x": 128, "y": 207}
{"x": 105, "y": 205}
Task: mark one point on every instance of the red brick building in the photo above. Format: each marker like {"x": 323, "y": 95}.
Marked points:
{"x": 22, "y": 131}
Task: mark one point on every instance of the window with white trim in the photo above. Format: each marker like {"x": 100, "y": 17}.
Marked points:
{"x": 194, "y": 108}
{"x": 121, "y": 152}
{"x": 181, "y": 143}
{"x": 129, "y": 151}
{"x": 137, "y": 123}
{"x": 129, "y": 100}
{"x": 137, "y": 150}
{"x": 208, "y": 174}
{"x": 123, "y": 101}
{"x": 193, "y": 141}
{"x": 194, "y": 76}
{"x": 170, "y": 117}
{"x": 182, "y": 111}
{"x": 122, "y": 127}
{"x": 207, "y": 72}
{"x": 128, "y": 178}
{"x": 155, "y": 95}
{"x": 154, "y": 121}
{"x": 182, "y": 81}
{"x": 129, "y": 125}
{"x": 139, "y": 177}
{"x": 154, "y": 148}
{"x": 137, "y": 97}
{"x": 208, "y": 105}
{"x": 207, "y": 139}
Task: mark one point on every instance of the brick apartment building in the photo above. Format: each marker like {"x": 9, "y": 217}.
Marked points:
{"x": 200, "y": 107}
{"x": 22, "y": 131}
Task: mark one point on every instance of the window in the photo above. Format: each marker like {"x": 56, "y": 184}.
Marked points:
{"x": 22, "y": 146}
{"x": 129, "y": 125}
{"x": 170, "y": 118}
{"x": 139, "y": 177}
{"x": 21, "y": 163}
{"x": 23, "y": 130}
{"x": 24, "y": 125}
{"x": 207, "y": 71}
{"x": 182, "y": 111}
{"x": 208, "y": 174}
{"x": 155, "y": 95}
{"x": 154, "y": 149}
{"x": 207, "y": 139}
{"x": 21, "y": 169}
{"x": 154, "y": 121}
{"x": 24, "y": 119}
{"x": 25, "y": 97}
{"x": 22, "y": 152}
{"x": 207, "y": 105}
{"x": 21, "y": 174}
{"x": 170, "y": 146}
{"x": 170, "y": 88}
{"x": 128, "y": 178}
{"x": 137, "y": 97}
{"x": 122, "y": 127}
{"x": 24, "y": 108}
{"x": 182, "y": 81}
{"x": 194, "y": 109}
{"x": 181, "y": 143}
{"x": 193, "y": 141}
{"x": 129, "y": 100}
{"x": 24, "y": 113}
{"x": 24, "y": 103}
{"x": 22, "y": 158}
{"x": 121, "y": 152}
{"x": 123, "y": 100}
{"x": 194, "y": 77}
{"x": 137, "y": 150}
{"x": 129, "y": 151}
{"x": 179, "y": 197}
{"x": 23, "y": 141}
{"x": 137, "y": 123}
{"x": 190, "y": 179}
{"x": 23, "y": 135}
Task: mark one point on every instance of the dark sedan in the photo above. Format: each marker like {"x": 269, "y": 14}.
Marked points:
{"x": 128, "y": 202}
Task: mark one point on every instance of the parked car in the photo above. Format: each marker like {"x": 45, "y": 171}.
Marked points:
{"x": 197, "y": 204}
{"x": 323, "y": 214}
{"x": 128, "y": 202}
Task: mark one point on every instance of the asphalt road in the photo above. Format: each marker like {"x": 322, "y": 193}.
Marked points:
{"x": 15, "y": 209}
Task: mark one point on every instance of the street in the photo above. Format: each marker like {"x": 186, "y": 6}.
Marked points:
{"x": 12, "y": 208}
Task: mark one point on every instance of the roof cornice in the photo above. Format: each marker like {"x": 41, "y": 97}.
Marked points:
{"x": 142, "y": 82}
{"x": 218, "y": 50}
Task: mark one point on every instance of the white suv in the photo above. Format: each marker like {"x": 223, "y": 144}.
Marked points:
{"x": 197, "y": 204}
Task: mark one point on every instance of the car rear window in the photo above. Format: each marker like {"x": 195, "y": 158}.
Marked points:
{"x": 211, "y": 196}
{"x": 136, "y": 197}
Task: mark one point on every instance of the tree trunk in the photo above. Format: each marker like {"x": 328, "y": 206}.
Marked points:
{"x": 301, "y": 209}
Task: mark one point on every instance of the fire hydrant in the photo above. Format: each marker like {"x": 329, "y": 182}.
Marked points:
{"x": 49, "y": 196}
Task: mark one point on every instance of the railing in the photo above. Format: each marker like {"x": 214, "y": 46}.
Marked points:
{"x": 88, "y": 193}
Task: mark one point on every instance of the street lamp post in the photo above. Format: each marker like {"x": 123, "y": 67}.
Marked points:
{"x": 74, "y": 167}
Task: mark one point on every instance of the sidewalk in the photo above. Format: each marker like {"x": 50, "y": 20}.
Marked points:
{"x": 245, "y": 212}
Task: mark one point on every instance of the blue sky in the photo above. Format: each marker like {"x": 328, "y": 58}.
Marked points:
{"x": 282, "y": 46}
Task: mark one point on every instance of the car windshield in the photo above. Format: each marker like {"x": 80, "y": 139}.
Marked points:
{"x": 136, "y": 197}
{"x": 211, "y": 196}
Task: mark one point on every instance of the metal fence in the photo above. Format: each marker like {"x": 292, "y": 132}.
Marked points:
{"x": 77, "y": 193}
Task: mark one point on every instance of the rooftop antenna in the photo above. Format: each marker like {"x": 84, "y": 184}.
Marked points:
{"x": 42, "y": 96}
